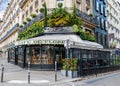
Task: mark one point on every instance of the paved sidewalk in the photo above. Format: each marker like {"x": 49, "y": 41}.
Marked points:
{"x": 17, "y": 76}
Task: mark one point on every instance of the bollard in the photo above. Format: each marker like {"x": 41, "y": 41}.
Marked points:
{"x": 2, "y": 73}
{"x": 55, "y": 70}
{"x": 96, "y": 72}
{"x": 28, "y": 72}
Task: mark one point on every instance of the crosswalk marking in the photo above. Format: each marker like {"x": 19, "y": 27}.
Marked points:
{"x": 25, "y": 81}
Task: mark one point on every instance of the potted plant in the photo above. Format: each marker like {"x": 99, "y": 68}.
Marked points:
{"x": 24, "y": 22}
{"x": 72, "y": 72}
{"x": 28, "y": 19}
{"x": 33, "y": 15}
{"x": 64, "y": 67}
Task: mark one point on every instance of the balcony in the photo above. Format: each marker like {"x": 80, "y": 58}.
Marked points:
{"x": 86, "y": 17}
{"x": 37, "y": 18}
{"x": 10, "y": 32}
{"x": 21, "y": 4}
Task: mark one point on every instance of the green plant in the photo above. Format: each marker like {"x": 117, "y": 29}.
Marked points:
{"x": 60, "y": 5}
{"x": 73, "y": 62}
{"x": 83, "y": 35}
{"x": 24, "y": 22}
{"x": 33, "y": 15}
{"x": 64, "y": 62}
{"x": 21, "y": 26}
{"x": 28, "y": 19}
{"x": 32, "y": 31}
{"x": 42, "y": 10}
{"x": 91, "y": 15}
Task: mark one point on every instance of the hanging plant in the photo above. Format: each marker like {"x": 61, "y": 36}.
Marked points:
{"x": 21, "y": 26}
{"x": 28, "y": 19}
{"x": 41, "y": 10}
{"x": 33, "y": 15}
{"x": 24, "y": 23}
{"x": 60, "y": 5}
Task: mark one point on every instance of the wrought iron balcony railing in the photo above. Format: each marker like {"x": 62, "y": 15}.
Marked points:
{"x": 10, "y": 31}
{"x": 22, "y": 2}
{"x": 37, "y": 18}
{"x": 84, "y": 16}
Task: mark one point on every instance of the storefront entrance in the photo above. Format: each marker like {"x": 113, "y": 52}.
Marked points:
{"x": 40, "y": 56}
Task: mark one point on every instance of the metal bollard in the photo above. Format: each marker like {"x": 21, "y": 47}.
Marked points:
{"x": 2, "y": 73}
{"x": 55, "y": 70}
{"x": 28, "y": 72}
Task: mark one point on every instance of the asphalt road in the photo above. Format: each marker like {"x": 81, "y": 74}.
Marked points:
{"x": 107, "y": 80}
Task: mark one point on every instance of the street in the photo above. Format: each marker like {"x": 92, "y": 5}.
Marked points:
{"x": 107, "y": 80}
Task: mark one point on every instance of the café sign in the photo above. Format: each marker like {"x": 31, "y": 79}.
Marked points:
{"x": 32, "y": 42}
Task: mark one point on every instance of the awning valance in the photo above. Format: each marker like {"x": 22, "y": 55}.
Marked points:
{"x": 60, "y": 39}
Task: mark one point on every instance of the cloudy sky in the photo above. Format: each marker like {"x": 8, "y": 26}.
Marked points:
{"x": 4, "y": 4}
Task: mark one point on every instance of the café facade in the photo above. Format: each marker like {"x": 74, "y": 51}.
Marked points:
{"x": 44, "y": 50}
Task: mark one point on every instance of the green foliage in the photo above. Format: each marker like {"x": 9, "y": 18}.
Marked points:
{"x": 45, "y": 15}
{"x": 83, "y": 35}
{"x": 24, "y": 22}
{"x": 33, "y": 15}
{"x": 87, "y": 36}
{"x": 60, "y": 5}
{"x": 91, "y": 15}
{"x": 70, "y": 63}
{"x": 77, "y": 29}
{"x": 28, "y": 19}
{"x": 32, "y": 31}
{"x": 21, "y": 26}
{"x": 42, "y": 10}
{"x": 64, "y": 62}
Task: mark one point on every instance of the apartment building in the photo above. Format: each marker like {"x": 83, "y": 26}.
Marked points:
{"x": 101, "y": 30}
{"x": 113, "y": 23}
{"x": 9, "y": 26}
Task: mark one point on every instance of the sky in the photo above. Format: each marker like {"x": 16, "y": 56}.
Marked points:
{"x": 4, "y": 4}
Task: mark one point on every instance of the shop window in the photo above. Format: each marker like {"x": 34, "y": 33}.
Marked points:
{"x": 20, "y": 54}
{"x": 12, "y": 55}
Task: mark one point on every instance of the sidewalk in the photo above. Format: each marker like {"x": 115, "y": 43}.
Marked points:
{"x": 17, "y": 76}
